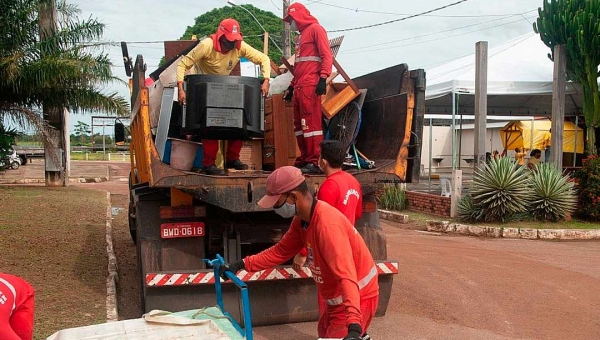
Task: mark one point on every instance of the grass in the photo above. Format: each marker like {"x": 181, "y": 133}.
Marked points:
{"x": 421, "y": 218}
{"x": 55, "y": 239}
{"x": 98, "y": 156}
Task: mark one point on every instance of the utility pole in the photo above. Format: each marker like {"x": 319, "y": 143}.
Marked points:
{"x": 54, "y": 149}
{"x": 287, "y": 47}
{"x": 481, "y": 68}
{"x": 558, "y": 105}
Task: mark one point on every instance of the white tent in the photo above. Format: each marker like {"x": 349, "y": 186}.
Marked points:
{"x": 519, "y": 81}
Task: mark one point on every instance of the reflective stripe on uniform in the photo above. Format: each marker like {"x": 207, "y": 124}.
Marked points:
{"x": 365, "y": 280}
{"x": 308, "y": 58}
{"x": 298, "y": 133}
{"x": 362, "y": 283}
{"x": 14, "y": 293}
{"x": 312, "y": 134}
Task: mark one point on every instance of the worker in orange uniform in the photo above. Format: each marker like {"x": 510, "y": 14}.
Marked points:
{"x": 312, "y": 66}
{"x": 219, "y": 54}
{"x": 340, "y": 262}
{"x": 341, "y": 190}
{"x": 16, "y": 308}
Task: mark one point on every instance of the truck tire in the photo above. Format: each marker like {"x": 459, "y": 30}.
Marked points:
{"x": 14, "y": 165}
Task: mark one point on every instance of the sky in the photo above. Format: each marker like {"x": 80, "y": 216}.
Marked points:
{"x": 422, "y": 42}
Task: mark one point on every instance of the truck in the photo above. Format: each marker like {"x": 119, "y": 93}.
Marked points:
{"x": 178, "y": 217}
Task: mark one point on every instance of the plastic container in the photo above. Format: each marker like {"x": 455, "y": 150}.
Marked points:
{"x": 183, "y": 154}
{"x": 223, "y": 107}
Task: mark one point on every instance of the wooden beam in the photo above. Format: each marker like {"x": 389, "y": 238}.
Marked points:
{"x": 558, "y": 104}
{"x": 481, "y": 67}
{"x": 287, "y": 64}
{"x": 345, "y": 76}
{"x": 266, "y": 43}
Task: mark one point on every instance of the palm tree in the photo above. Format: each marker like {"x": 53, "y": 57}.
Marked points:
{"x": 65, "y": 69}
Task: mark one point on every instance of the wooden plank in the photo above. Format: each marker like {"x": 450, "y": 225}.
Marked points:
{"x": 266, "y": 43}
{"x": 287, "y": 64}
{"x": 268, "y": 122}
{"x": 345, "y": 75}
{"x": 558, "y": 105}
{"x": 275, "y": 68}
{"x": 269, "y": 105}
{"x": 481, "y": 67}
{"x": 338, "y": 101}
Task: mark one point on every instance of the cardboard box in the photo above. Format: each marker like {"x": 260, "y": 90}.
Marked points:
{"x": 252, "y": 154}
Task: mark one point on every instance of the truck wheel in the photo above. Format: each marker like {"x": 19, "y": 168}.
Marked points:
{"x": 14, "y": 165}
{"x": 23, "y": 160}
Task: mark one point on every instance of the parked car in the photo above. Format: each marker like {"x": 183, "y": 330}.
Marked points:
{"x": 11, "y": 161}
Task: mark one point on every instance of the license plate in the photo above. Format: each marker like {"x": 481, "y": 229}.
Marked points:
{"x": 182, "y": 229}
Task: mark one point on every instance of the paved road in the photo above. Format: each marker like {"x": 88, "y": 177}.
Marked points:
{"x": 474, "y": 288}
{"x": 453, "y": 287}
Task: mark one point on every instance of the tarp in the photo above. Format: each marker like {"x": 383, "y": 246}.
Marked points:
{"x": 518, "y": 134}
{"x": 519, "y": 81}
{"x": 207, "y": 324}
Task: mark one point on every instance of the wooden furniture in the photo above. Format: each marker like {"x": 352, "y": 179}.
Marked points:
{"x": 279, "y": 147}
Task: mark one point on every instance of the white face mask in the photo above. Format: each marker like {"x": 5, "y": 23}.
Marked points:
{"x": 286, "y": 211}
{"x": 294, "y": 26}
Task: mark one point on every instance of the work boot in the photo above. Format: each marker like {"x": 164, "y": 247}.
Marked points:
{"x": 310, "y": 168}
{"x": 213, "y": 170}
{"x": 237, "y": 165}
{"x": 366, "y": 337}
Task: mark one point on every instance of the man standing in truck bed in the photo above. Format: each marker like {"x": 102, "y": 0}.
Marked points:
{"x": 219, "y": 54}
{"x": 340, "y": 262}
{"x": 311, "y": 69}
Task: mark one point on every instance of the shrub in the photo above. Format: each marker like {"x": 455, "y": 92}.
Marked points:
{"x": 501, "y": 189}
{"x": 554, "y": 196}
{"x": 393, "y": 198}
{"x": 468, "y": 211}
{"x": 589, "y": 184}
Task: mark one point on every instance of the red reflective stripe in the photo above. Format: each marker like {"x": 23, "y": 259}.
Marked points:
{"x": 149, "y": 278}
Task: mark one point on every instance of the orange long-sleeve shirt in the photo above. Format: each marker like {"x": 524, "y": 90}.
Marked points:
{"x": 338, "y": 258}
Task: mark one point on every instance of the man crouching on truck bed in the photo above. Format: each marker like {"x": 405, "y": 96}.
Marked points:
{"x": 338, "y": 258}
{"x": 218, "y": 55}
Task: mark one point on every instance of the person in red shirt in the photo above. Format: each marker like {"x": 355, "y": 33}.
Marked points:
{"x": 341, "y": 264}
{"x": 341, "y": 190}
{"x": 312, "y": 66}
{"x": 16, "y": 308}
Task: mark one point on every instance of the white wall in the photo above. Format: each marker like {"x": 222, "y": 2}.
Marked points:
{"x": 442, "y": 144}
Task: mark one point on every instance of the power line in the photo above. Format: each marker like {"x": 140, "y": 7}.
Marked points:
{"x": 429, "y": 15}
{"x": 432, "y": 33}
{"x": 279, "y": 9}
{"x": 430, "y": 40}
{"x": 401, "y": 19}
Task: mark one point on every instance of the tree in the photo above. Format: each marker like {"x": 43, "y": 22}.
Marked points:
{"x": 82, "y": 131}
{"x": 207, "y": 24}
{"x": 576, "y": 25}
{"x": 67, "y": 69}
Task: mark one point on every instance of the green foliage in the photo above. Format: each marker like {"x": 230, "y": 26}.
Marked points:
{"x": 553, "y": 195}
{"x": 207, "y": 23}
{"x": 65, "y": 70}
{"x": 504, "y": 191}
{"x": 468, "y": 211}
{"x": 500, "y": 189}
{"x": 576, "y": 25}
{"x": 393, "y": 198}
{"x": 589, "y": 188}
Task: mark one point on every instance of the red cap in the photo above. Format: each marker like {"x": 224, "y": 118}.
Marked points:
{"x": 231, "y": 29}
{"x": 279, "y": 182}
{"x": 296, "y": 6}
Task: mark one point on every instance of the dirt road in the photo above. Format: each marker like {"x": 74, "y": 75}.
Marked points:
{"x": 452, "y": 287}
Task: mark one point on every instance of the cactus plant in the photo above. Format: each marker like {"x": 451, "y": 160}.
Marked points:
{"x": 576, "y": 25}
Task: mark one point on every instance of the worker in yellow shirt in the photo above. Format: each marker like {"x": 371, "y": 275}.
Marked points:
{"x": 520, "y": 156}
{"x": 218, "y": 55}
